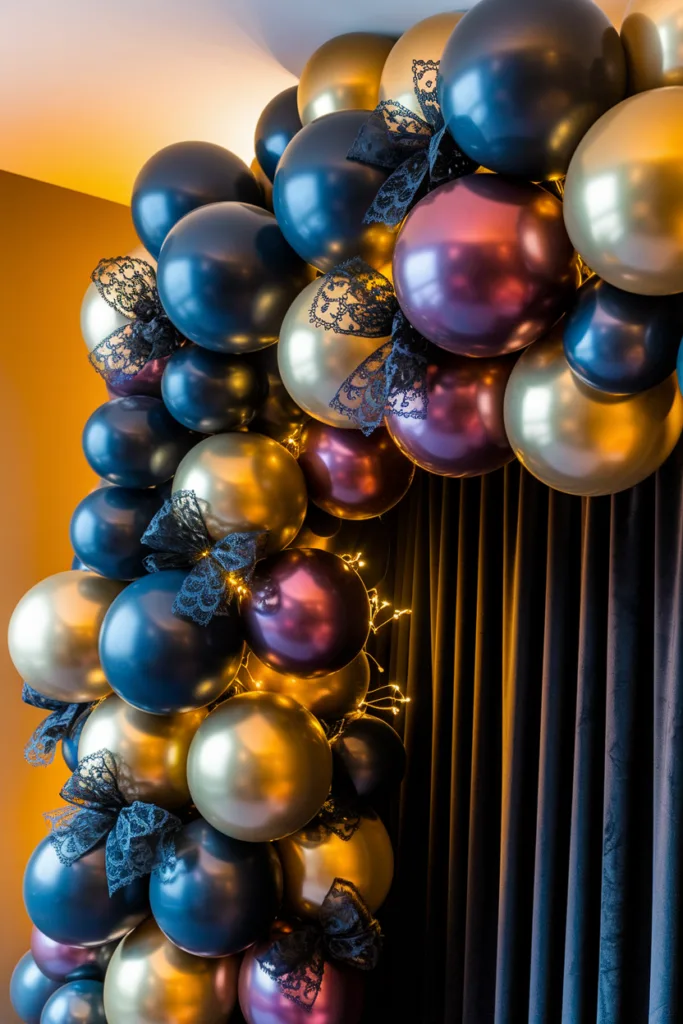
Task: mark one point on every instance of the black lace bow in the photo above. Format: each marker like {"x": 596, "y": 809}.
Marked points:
{"x": 40, "y": 749}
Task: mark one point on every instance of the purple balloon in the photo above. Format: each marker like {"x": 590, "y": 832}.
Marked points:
{"x": 69, "y": 963}
{"x": 146, "y": 382}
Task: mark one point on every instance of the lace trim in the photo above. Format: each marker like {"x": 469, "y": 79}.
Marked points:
{"x": 40, "y": 749}
{"x": 354, "y": 299}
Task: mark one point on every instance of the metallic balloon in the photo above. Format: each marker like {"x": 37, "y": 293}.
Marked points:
{"x": 372, "y": 755}
{"x": 208, "y": 391}
{"x": 463, "y": 433}
{"x": 521, "y": 83}
{"x": 164, "y": 663}
{"x": 227, "y": 277}
{"x": 580, "y": 440}
{"x": 350, "y": 475}
{"x": 71, "y": 903}
{"x": 483, "y": 265}
{"x": 245, "y": 482}
{"x": 220, "y": 895}
{"x": 320, "y": 198}
{"x": 30, "y": 989}
{"x": 622, "y": 343}
{"x": 53, "y": 635}
{"x": 623, "y": 198}
{"x": 183, "y": 177}
{"x": 276, "y": 127}
{"x": 652, "y": 34}
{"x": 151, "y": 750}
{"x": 414, "y": 60}
{"x": 259, "y": 767}
{"x": 278, "y": 416}
{"x": 151, "y": 981}
{"x": 328, "y": 697}
{"x": 106, "y": 528}
{"x": 307, "y": 612}
{"x": 264, "y": 182}
{"x": 315, "y": 856}
{"x": 63, "y": 962}
{"x": 70, "y": 741}
{"x": 78, "y": 1002}
{"x": 343, "y": 74}
{"x": 368, "y": 539}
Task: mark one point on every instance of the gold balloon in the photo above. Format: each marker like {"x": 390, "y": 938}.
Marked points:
{"x": 652, "y": 34}
{"x": 423, "y": 43}
{"x": 98, "y": 318}
{"x": 245, "y": 481}
{"x": 623, "y": 195}
{"x": 329, "y": 697}
{"x": 314, "y": 857}
{"x": 260, "y": 767}
{"x": 151, "y": 981}
{"x": 315, "y": 362}
{"x": 343, "y": 74}
{"x": 151, "y": 750}
{"x": 580, "y": 440}
{"x": 54, "y": 633}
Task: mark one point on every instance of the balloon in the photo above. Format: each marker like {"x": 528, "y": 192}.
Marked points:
{"x": 262, "y": 1001}
{"x": 329, "y": 697}
{"x": 279, "y": 416}
{"x": 320, "y": 197}
{"x": 71, "y": 903}
{"x": 414, "y": 60}
{"x": 259, "y": 767}
{"x": 275, "y": 129}
{"x": 245, "y": 482}
{"x": 622, "y": 343}
{"x": 521, "y": 83}
{"x": 314, "y": 362}
{"x": 483, "y": 265}
{"x": 463, "y": 433}
{"x": 652, "y": 34}
{"x": 264, "y": 182}
{"x": 151, "y": 981}
{"x": 220, "y": 895}
{"x": 315, "y": 856}
{"x": 151, "y": 749}
{"x": 30, "y": 989}
{"x": 307, "y": 612}
{"x": 372, "y": 755}
{"x": 580, "y": 440}
{"x": 368, "y": 538}
{"x": 163, "y": 663}
{"x": 209, "y": 392}
{"x": 106, "y": 528}
{"x": 70, "y": 741}
{"x": 183, "y": 177}
{"x": 79, "y": 1002}
{"x": 135, "y": 442}
{"x": 53, "y": 635}
{"x": 623, "y": 199}
{"x": 227, "y": 276}
{"x": 350, "y": 475}
{"x": 343, "y": 74}
{"x": 63, "y": 962}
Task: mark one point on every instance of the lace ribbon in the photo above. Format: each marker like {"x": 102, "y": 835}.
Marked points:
{"x": 97, "y": 808}
{"x": 129, "y": 285}
{"x": 345, "y": 930}
{"x": 218, "y": 571}
{"x": 40, "y": 749}
{"x": 341, "y": 817}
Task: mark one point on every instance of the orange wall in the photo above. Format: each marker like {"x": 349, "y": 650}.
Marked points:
{"x": 50, "y": 240}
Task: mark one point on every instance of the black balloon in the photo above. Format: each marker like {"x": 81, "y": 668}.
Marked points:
{"x": 211, "y": 392}
{"x": 106, "y": 528}
{"x": 369, "y": 538}
{"x": 275, "y": 129}
{"x": 278, "y": 415}
{"x": 371, "y": 754}
{"x": 70, "y": 741}
{"x": 180, "y": 178}
{"x": 30, "y": 989}
{"x": 78, "y": 1002}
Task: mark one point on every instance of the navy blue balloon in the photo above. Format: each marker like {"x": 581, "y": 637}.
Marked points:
{"x": 135, "y": 442}
{"x": 622, "y": 343}
{"x": 211, "y": 392}
{"x": 371, "y": 754}
{"x": 221, "y": 895}
{"x": 70, "y": 741}
{"x": 227, "y": 277}
{"x": 182, "y": 177}
{"x": 77, "y": 1002}
{"x": 76, "y": 563}
{"x": 71, "y": 903}
{"x": 30, "y": 989}
{"x": 161, "y": 662}
{"x": 275, "y": 129}
{"x": 106, "y": 528}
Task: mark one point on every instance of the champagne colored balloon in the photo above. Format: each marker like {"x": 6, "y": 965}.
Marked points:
{"x": 150, "y": 749}
{"x": 414, "y": 60}
{"x": 259, "y": 767}
{"x": 652, "y": 34}
{"x": 623, "y": 197}
{"x": 53, "y": 635}
{"x": 580, "y": 440}
{"x": 328, "y": 697}
{"x": 314, "y": 362}
{"x": 245, "y": 482}
{"x": 63, "y": 962}
{"x": 151, "y": 981}
{"x": 314, "y": 857}
{"x": 343, "y": 74}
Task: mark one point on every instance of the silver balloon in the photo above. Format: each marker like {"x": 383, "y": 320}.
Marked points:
{"x": 98, "y": 318}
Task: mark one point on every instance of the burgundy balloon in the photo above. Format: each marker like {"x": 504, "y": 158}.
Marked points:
{"x": 307, "y": 612}
{"x": 350, "y": 475}
{"x": 146, "y": 382}
{"x": 484, "y": 265}
{"x": 70, "y": 963}
{"x": 463, "y": 433}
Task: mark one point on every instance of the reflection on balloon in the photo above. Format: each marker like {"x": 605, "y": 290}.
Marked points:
{"x": 78, "y": 1002}
{"x": 209, "y": 392}
{"x": 106, "y": 528}
{"x": 67, "y": 963}
{"x": 30, "y": 989}
{"x": 410, "y": 65}
{"x": 367, "y": 538}
{"x": 328, "y": 697}
{"x": 275, "y": 129}
{"x": 371, "y": 754}
{"x": 652, "y": 34}
{"x": 70, "y": 741}
{"x": 343, "y": 74}
{"x": 278, "y": 416}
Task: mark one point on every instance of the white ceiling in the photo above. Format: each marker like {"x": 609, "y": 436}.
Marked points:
{"x": 90, "y": 89}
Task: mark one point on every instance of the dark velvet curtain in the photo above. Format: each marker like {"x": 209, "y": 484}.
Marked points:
{"x": 538, "y": 837}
